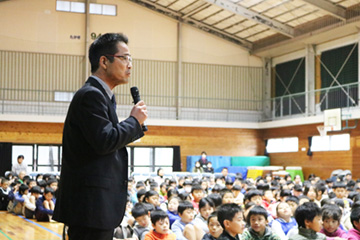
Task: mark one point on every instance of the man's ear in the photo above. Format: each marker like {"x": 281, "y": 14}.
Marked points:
{"x": 307, "y": 223}
{"x": 103, "y": 62}
{"x": 226, "y": 223}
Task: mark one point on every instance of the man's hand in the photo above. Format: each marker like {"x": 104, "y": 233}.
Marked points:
{"x": 139, "y": 112}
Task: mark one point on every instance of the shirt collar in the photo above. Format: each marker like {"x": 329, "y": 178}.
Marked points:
{"x": 104, "y": 85}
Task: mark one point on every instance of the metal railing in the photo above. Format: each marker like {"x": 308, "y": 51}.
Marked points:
{"x": 344, "y": 96}
{"x": 36, "y": 102}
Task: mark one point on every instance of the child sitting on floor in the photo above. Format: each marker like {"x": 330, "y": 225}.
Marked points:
{"x": 257, "y": 220}
{"x": 308, "y": 218}
{"x": 214, "y": 226}
{"x": 184, "y": 228}
{"x": 284, "y": 221}
{"x": 45, "y": 206}
{"x": 160, "y": 223}
{"x": 231, "y": 219}
{"x": 331, "y": 216}
{"x": 354, "y": 234}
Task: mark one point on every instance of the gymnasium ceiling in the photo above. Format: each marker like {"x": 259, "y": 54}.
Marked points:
{"x": 265, "y": 27}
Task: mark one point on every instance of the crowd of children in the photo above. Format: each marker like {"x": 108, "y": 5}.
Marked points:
{"x": 269, "y": 208}
{"x": 31, "y": 198}
{"x": 209, "y": 208}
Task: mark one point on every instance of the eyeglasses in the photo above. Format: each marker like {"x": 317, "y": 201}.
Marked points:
{"x": 127, "y": 58}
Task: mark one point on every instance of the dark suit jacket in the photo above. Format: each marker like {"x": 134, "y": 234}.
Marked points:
{"x": 94, "y": 172}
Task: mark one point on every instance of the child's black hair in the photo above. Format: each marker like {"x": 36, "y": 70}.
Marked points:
{"x": 249, "y": 205}
{"x": 184, "y": 205}
{"x": 225, "y": 191}
{"x": 140, "y": 184}
{"x": 51, "y": 180}
{"x": 42, "y": 183}
{"x": 303, "y": 196}
{"x": 150, "y": 193}
{"x": 216, "y": 198}
{"x": 26, "y": 179}
{"x": 339, "y": 202}
{"x": 352, "y": 195}
{"x": 153, "y": 186}
{"x": 298, "y": 188}
{"x": 150, "y": 207}
{"x": 157, "y": 215}
{"x": 285, "y": 193}
{"x": 292, "y": 199}
{"x": 213, "y": 214}
{"x": 49, "y": 190}
{"x": 196, "y": 187}
{"x": 320, "y": 186}
{"x": 139, "y": 210}
{"x": 217, "y": 188}
{"x": 23, "y": 188}
{"x": 326, "y": 201}
{"x": 140, "y": 193}
{"x": 227, "y": 212}
{"x": 206, "y": 201}
{"x": 339, "y": 185}
{"x": 331, "y": 211}
{"x": 35, "y": 189}
{"x": 263, "y": 186}
{"x": 172, "y": 192}
{"x": 236, "y": 188}
{"x": 253, "y": 193}
{"x": 355, "y": 216}
{"x": 256, "y": 210}
{"x": 183, "y": 196}
{"x": 306, "y": 211}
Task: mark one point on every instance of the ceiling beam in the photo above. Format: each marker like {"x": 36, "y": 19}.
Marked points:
{"x": 254, "y": 16}
{"x": 202, "y": 26}
{"x": 328, "y": 7}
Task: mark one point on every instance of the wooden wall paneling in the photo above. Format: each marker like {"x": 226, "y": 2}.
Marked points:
{"x": 26, "y": 132}
{"x": 320, "y": 163}
{"x": 215, "y": 141}
{"x": 192, "y": 140}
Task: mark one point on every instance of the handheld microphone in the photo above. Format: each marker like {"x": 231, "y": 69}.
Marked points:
{"x": 136, "y": 97}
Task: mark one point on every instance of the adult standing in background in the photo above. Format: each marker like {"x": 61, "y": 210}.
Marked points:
{"x": 203, "y": 160}
{"x": 19, "y": 166}
{"x": 93, "y": 181}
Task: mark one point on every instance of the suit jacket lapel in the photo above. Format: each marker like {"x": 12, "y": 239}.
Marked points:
{"x": 112, "y": 114}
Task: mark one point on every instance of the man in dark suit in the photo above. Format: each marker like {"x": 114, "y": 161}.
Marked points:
{"x": 93, "y": 181}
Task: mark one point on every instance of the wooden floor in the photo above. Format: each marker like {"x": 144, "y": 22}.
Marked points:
{"x": 13, "y": 227}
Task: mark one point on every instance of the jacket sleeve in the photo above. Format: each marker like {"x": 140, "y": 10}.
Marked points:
{"x": 99, "y": 130}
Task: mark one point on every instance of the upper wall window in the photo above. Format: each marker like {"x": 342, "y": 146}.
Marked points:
{"x": 276, "y": 145}
{"x": 340, "y": 142}
{"x": 102, "y": 9}
{"x": 80, "y": 7}
{"x": 68, "y": 6}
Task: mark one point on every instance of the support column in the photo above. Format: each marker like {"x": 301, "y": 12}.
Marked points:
{"x": 310, "y": 80}
{"x": 179, "y": 71}
{"x": 87, "y": 40}
{"x": 267, "y": 88}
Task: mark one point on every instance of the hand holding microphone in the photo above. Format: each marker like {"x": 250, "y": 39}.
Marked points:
{"x": 139, "y": 111}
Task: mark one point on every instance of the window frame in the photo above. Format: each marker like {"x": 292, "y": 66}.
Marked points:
{"x": 281, "y": 141}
